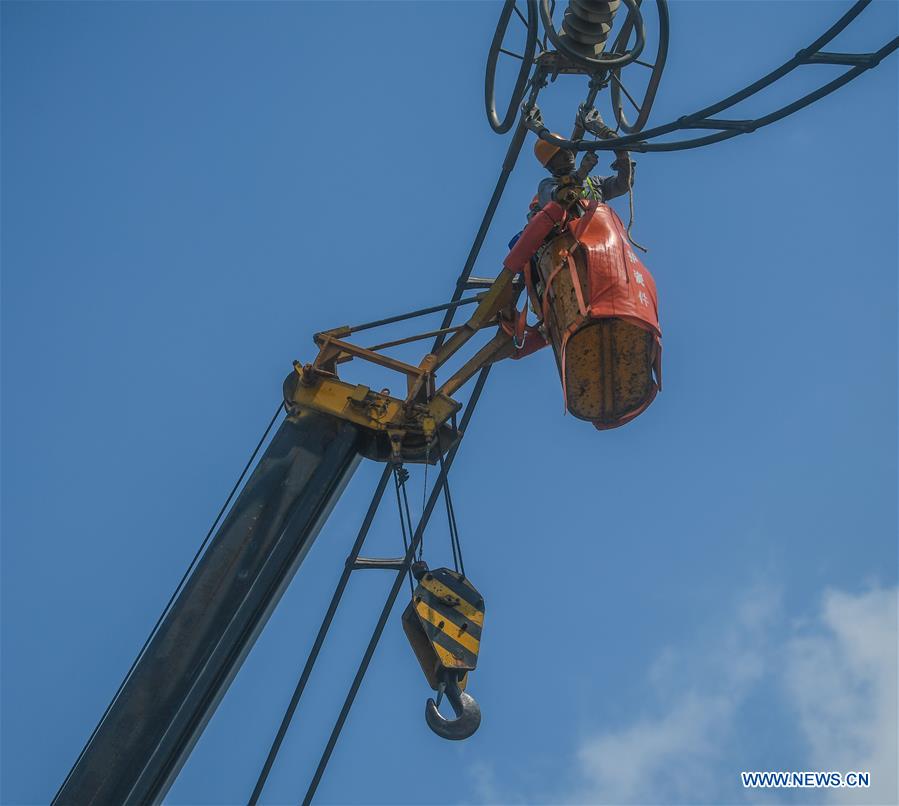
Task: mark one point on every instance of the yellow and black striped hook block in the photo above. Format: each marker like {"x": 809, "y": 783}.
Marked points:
{"x": 443, "y": 623}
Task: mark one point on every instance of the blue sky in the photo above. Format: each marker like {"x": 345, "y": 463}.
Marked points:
{"x": 189, "y": 191}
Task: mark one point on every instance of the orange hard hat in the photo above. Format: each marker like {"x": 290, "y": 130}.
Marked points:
{"x": 544, "y": 151}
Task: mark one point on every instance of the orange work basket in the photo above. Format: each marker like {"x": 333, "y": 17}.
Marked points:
{"x": 600, "y": 311}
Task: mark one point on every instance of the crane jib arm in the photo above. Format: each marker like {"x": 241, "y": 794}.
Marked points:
{"x": 176, "y": 685}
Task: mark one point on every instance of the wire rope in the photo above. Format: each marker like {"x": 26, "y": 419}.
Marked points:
{"x": 178, "y": 588}
{"x": 455, "y": 543}
{"x": 400, "y": 476}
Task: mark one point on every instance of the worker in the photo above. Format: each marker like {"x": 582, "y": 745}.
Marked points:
{"x": 566, "y": 187}
{"x": 560, "y": 162}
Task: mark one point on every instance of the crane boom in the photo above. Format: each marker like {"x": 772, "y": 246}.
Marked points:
{"x": 176, "y": 684}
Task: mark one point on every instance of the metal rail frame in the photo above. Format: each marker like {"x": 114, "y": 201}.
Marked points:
{"x": 728, "y": 128}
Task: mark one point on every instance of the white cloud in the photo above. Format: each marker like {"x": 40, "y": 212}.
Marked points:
{"x": 677, "y": 752}
{"x": 839, "y": 671}
{"x": 484, "y": 780}
{"x": 842, "y": 677}
{"x": 831, "y": 680}
{"x": 668, "y": 754}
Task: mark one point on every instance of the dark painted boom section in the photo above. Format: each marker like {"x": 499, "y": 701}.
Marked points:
{"x": 160, "y": 713}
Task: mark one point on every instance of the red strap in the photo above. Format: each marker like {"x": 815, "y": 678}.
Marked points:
{"x": 565, "y": 338}
{"x": 549, "y": 285}
{"x": 585, "y": 220}
{"x": 567, "y": 261}
{"x": 533, "y": 339}
{"x": 569, "y": 332}
{"x": 576, "y": 282}
{"x": 521, "y": 323}
{"x": 576, "y": 232}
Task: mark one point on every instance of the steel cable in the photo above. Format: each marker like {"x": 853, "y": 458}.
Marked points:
{"x": 177, "y": 590}
{"x": 400, "y": 476}
{"x": 320, "y": 637}
{"x": 418, "y": 538}
{"x": 453, "y": 526}
{"x": 394, "y": 591}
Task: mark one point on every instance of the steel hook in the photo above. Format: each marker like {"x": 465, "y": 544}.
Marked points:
{"x": 466, "y": 708}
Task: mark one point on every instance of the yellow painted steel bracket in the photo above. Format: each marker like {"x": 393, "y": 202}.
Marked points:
{"x": 420, "y": 427}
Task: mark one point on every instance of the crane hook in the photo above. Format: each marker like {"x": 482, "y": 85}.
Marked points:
{"x": 443, "y": 623}
{"x": 466, "y": 708}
